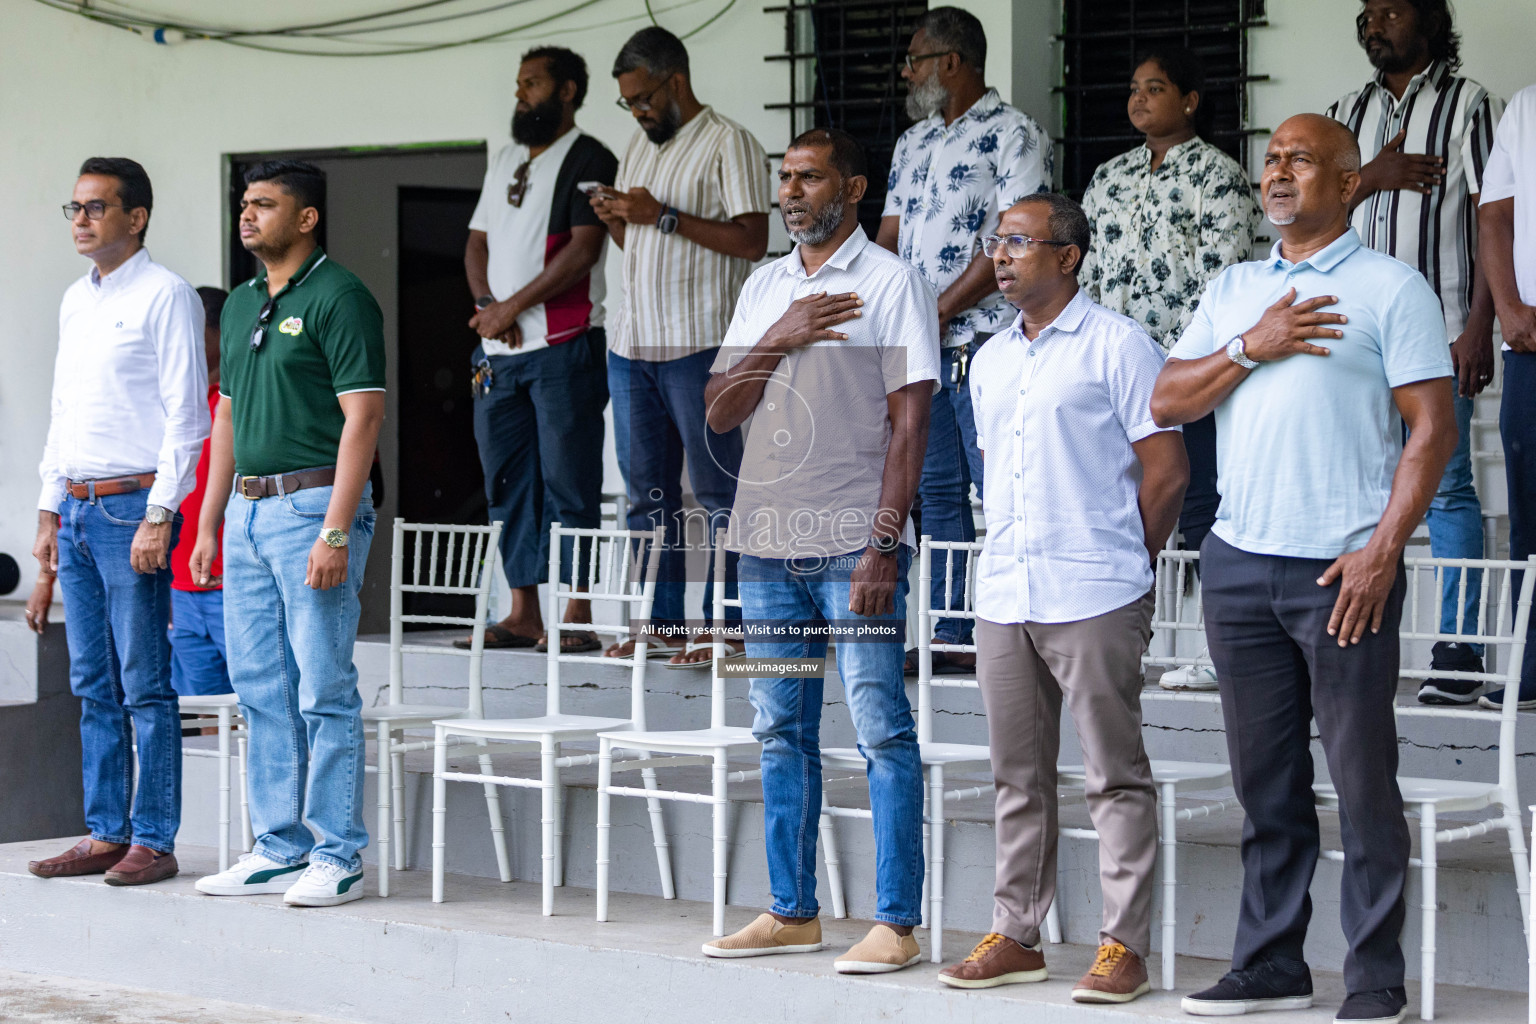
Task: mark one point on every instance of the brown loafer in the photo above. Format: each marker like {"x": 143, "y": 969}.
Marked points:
{"x": 142, "y": 866}
{"x": 77, "y": 860}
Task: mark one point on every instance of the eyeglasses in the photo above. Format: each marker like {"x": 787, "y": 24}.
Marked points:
{"x": 262, "y": 320}
{"x": 518, "y": 190}
{"x": 1016, "y": 245}
{"x": 912, "y": 59}
{"x": 643, "y": 106}
{"x": 94, "y": 209}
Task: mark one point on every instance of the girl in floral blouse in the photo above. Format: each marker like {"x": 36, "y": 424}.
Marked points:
{"x": 1168, "y": 217}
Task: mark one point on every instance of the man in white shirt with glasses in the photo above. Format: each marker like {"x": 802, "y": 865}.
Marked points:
{"x": 129, "y": 415}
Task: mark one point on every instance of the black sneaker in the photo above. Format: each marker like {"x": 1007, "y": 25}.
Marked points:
{"x": 1451, "y": 657}
{"x": 1383, "y": 1006}
{"x": 1276, "y": 983}
{"x": 1525, "y": 698}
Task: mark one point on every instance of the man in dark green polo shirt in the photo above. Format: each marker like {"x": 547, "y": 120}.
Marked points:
{"x": 301, "y": 399}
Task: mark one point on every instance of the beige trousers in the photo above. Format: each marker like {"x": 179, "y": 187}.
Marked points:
{"x": 1025, "y": 670}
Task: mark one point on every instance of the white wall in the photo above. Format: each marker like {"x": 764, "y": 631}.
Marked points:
{"x": 70, "y": 89}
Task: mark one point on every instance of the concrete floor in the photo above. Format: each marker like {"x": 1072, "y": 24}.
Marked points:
{"x": 43, "y": 999}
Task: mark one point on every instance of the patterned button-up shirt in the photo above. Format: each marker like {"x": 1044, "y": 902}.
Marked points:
{"x": 1447, "y": 116}
{"x": 1160, "y": 236}
{"x": 951, "y": 184}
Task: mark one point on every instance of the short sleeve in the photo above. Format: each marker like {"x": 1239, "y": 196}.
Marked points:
{"x": 743, "y": 175}
{"x": 1499, "y": 174}
{"x": 1413, "y": 344}
{"x": 1131, "y": 375}
{"x": 1199, "y": 338}
{"x": 590, "y": 162}
{"x": 352, "y": 341}
{"x": 1023, "y": 167}
{"x": 1090, "y": 273}
{"x": 229, "y": 362}
{"x": 480, "y": 220}
{"x": 1477, "y": 140}
{"x": 911, "y": 314}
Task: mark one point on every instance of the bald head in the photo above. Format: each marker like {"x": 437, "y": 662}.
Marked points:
{"x": 1331, "y": 140}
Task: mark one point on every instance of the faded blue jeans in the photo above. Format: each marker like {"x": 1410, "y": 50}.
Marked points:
{"x": 951, "y": 464}
{"x": 788, "y": 596}
{"x": 120, "y": 668}
{"x": 290, "y": 660}
{"x": 1455, "y": 523}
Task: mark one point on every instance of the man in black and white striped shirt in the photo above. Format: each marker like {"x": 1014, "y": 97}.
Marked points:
{"x": 1426, "y": 133}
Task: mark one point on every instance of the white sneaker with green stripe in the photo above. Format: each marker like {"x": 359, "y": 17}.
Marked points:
{"x": 251, "y": 875}
{"x": 325, "y": 885}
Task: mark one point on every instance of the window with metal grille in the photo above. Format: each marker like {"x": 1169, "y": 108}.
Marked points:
{"x": 1101, "y": 41}
{"x": 844, "y": 59}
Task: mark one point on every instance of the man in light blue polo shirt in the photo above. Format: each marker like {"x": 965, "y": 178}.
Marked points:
{"x": 1313, "y": 360}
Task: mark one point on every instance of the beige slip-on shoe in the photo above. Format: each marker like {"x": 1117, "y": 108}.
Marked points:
{"x": 767, "y": 936}
{"x": 881, "y": 951}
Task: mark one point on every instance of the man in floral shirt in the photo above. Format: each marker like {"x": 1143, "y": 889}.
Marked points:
{"x": 969, "y": 157}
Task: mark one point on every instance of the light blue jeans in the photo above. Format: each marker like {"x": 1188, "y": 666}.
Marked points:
{"x": 789, "y": 596}
{"x": 1455, "y": 522}
{"x": 120, "y": 668}
{"x": 290, "y": 660}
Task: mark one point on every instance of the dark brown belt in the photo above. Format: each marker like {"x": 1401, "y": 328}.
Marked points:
{"x": 84, "y": 490}
{"x": 268, "y": 486}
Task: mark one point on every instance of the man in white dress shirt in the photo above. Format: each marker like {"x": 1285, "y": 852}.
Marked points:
{"x": 129, "y": 415}
{"x": 1082, "y": 490}
{"x": 833, "y": 352}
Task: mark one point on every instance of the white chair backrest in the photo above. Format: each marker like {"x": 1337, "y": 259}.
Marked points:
{"x": 719, "y": 603}
{"x": 950, "y": 558}
{"x": 613, "y": 568}
{"x": 443, "y": 559}
{"x": 1177, "y": 610}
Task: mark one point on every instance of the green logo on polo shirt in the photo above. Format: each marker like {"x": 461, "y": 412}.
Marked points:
{"x": 293, "y": 325}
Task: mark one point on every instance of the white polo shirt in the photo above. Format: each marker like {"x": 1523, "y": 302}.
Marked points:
{"x": 1056, "y": 418}
{"x": 130, "y": 383}
{"x": 1511, "y": 173}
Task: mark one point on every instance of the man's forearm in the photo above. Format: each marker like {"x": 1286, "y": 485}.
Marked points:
{"x": 903, "y": 470}
{"x": 1190, "y": 389}
{"x": 477, "y": 257}
{"x": 745, "y": 237}
{"x": 1496, "y": 253}
{"x": 221, "y": 471}
{"x": 354, "y": 459}
{"x": 731, "y": 397}
{"x": 1431, "y": 442}
{"x": 570, "y": 265}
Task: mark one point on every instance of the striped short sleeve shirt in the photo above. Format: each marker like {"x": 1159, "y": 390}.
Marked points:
{"x": 678, "y": 295}
{"x": 1444, "y": 115}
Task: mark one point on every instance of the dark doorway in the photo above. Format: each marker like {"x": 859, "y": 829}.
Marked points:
{"x": 435, "y": 347}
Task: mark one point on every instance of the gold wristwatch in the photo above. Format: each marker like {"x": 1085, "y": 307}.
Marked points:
{"x": 334, "y": 538}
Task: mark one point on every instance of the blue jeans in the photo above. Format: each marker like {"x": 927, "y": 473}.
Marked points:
{"x": 1456, "y": 526}
{"x": 540, "y": 436}
{"x": 198, "y": 664}
{"x": 1517, "y": 426}
{"x": 800, "y": 592}
{"x": 290, "y": 659}
{"x": 120, "y": 668}
{"x": 950, "y": 465}
{"x": 658, "y": 418}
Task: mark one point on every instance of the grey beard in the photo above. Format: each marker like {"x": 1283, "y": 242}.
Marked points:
{"x": 823, "y": 225}
{"x": 927, "y": 99}
{"x": 1278, "y": 223}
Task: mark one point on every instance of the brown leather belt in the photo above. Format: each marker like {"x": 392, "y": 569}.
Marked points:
{"x": 83, "y": 490}
{"x": 254, "y": 487}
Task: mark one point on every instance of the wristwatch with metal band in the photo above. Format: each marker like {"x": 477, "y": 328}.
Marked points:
{"x": 1236, "y": 353}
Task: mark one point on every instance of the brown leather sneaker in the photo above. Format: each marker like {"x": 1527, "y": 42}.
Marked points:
{"x": 1117, "y": 976}
{"x": 766, "y": 936}
{"x": 142, "y": 866}
{"x": 996, "y": 960}
{"x": 77, "y": 860}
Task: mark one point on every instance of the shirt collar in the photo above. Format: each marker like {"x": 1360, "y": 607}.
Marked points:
{"x": 989, "y": 101}
{"x": 1437, "y": 73}
{"x": 706, "y": 112}
{"x": 1325, "y": 259}
{"x": 315, "y": 259}
{"x": 846, "y": 253}
{"x": 129, "y": 269}
{"x": 1067, "y": 321}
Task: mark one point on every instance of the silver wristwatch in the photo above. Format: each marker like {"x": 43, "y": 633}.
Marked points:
{"x": 1237, "y": 355}
{"x": 157, "y": 515}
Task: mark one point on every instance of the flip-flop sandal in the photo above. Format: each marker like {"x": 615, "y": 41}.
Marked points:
{"x": 497, "y": 637}
{"x": 653, "y": 649}
{"x": 704, "y": 645}
{"x": 586, "y": 641}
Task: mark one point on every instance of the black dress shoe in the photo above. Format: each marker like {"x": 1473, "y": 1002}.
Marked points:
{"x": 1382, "y": 1006}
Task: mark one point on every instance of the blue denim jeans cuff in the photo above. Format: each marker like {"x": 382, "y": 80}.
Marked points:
{"x": 902, "y": 922}
{"x": 327, "y": 859}
{"x": 119, "y": 840}
{"x": 794, "y": 911}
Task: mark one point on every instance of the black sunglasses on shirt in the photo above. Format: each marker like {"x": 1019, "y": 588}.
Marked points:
{"x": 262, "y": 320}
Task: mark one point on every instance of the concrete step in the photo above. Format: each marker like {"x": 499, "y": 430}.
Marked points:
{"x": 46, "y": 999}
{"x": 487, "y": 955}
